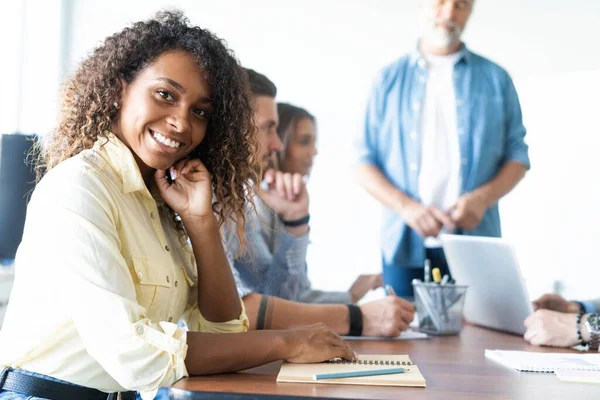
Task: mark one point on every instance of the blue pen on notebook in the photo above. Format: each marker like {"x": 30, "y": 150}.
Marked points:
{"x": 353, "y": 374}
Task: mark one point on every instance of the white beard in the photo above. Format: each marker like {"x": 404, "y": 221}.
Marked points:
{"x": 441, "y": 38}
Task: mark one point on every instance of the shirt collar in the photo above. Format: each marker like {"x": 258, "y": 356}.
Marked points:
{"x": 154, "y": 192}
{"x": 417, "y": 56}
{"x": 122, "y": 161}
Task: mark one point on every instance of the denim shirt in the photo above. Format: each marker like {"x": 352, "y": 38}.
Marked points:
{"x": 490, "y": 129}
{"x": 274, "y": 262}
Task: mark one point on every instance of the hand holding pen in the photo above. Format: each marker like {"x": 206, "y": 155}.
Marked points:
{"x": 388, "y": 316}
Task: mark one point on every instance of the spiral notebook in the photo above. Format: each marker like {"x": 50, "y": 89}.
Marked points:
{"x": 304, "y": 373}
{"x": 525, "y": 361}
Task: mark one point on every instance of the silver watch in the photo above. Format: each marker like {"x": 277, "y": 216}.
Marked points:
{"x": 592, "y": 324}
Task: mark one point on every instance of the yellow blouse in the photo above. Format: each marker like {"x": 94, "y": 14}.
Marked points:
{"x": 102, "y": 278}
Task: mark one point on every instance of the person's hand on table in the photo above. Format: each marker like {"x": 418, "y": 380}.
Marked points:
{"x": 316, "y": 343}
{"x": 386, "y": 317}
{"x": 551, "y": 328}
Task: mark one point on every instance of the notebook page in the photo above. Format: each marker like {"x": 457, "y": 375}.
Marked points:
{"x": 305, "y": 372}
{"x": 545, "y": 362}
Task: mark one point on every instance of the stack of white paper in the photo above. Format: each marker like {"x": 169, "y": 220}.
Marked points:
{"x": 545, "y": 362}
{"x": 568, "y": 375}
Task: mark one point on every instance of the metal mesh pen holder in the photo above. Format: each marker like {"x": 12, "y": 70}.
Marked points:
{"x": 439, "y": 307}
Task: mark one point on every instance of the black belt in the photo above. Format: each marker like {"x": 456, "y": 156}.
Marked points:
{"x": 15, "y": 381}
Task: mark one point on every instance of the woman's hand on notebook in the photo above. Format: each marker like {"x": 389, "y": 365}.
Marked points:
{"x": 386, "y": 317}
{"x": 316, "y": 343}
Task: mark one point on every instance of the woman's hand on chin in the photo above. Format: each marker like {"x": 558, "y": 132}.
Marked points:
{"x": 190, "y": 192}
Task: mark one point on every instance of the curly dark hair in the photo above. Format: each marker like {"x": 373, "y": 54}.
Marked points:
{"x": 229, "y": 149}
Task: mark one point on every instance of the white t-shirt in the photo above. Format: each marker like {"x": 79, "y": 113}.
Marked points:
{"x": 439, "y": 177}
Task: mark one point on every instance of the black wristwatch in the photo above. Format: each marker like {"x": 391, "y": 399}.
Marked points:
{"x": 356, "y": 322}
{"x": 592, "y": 324}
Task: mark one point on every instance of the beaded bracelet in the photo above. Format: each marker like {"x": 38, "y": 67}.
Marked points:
{"x": 579, "y": 338}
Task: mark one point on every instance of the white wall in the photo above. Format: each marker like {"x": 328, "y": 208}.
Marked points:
{"x": 324, "y": 54}
{"x": 10, "y": 66}
{"x": 553, "y": 217}
{"x": 30, "y": 36}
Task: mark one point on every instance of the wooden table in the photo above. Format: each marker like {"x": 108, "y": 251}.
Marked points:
{"x": 455, "y": 368}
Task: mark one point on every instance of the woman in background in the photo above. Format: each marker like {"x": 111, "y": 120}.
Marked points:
{"x": 298, "y": 132}
{"x": 116, "y": 250}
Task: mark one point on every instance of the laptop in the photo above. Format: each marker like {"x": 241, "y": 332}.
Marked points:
{"x": 497, "y": 296}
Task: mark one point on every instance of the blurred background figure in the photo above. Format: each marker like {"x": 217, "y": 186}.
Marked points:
{"x": 443, "y": 141}
{"x": 298, "y": 132}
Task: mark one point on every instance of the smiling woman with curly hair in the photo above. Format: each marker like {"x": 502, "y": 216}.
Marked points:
{"x": 156, "y": 123}
{"x": 88, "y": 109}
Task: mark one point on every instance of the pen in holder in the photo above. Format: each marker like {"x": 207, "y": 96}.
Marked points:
{"x": 439, "y": 307}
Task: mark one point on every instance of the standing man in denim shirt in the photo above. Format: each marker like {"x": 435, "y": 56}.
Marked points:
{"x": 443, "y": 141}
